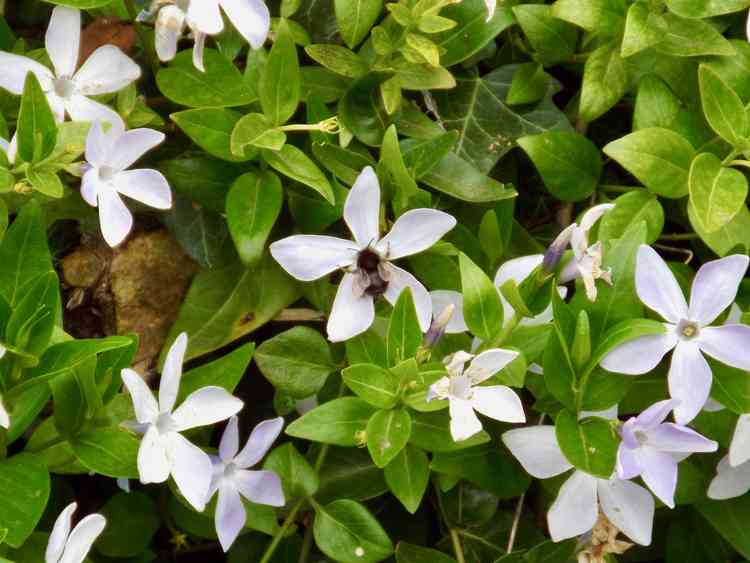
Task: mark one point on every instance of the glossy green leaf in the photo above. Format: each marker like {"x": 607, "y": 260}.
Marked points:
{"x": 340, "y": 422}
{"x": 292, "y": 162}
{"x": 346, "y": 531}
{"x": 388, "y": 431}
{"x": 408, "y": 475}
{"x": 355, "y": 18}
{"x": 298, "y": 478}
{"x": 404, "y": 332}
{"x": 255, "y": 130}
{"x": 717, "y": 193}
{"x": 375, "y": 384}
{"x": 483, "y": 310}
{"x": 631, "y": 208}
{"x": 279, "y": 88}
{"x": 553, "y": 39}
{"x": 21, "y": 510}
{"x": 605, "y": 79}
{"x": 108, "y": 451}
{"x": 37, "y": 131}
{"x": 589, "y": 444}
{"x": 722, "y": 107}
{"x": 211, "y": 129}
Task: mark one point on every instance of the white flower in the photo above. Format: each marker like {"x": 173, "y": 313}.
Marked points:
{"x": 445, "y": 301}
{"x": 107, "y": 70}
{"x": 109, "y": 155}
{"x": 4, "y": 416}
{"x": 628, "y": 506}
{"x": 233, "y": 481}
{"x": 491, "y": 5}
{"x": 164, "y": 451}
{"x": 733, "y": 471}
{"x": 465, "y": 395}
{"x": 66, "y": 546}
{"x": 366, "y": 260}
{"x": 687, "y": 328}
{"x": 10, "y": 149}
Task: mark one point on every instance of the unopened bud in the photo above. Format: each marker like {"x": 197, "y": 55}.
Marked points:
{"x": 438, "y": 326}
{"x": 555, "y": 251}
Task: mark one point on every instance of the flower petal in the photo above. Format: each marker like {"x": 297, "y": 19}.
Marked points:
{"x": 499, "y": 403}
{"x": 260, "y": 487}
{"x": 13, "y": 71}
{"x": 730, "y": 482}
{"x": 144, "y": 403}
{"x": 362, "y": 208}
{"x": 115, "y": 219}
{"x": 491, "y": 5}
{"x": 415, "y": 231}
{"x": 4, "y": 416}
{"x": 149, "y": 187}
{"x": 656, "y": 413}
{"x": 443, "y": 298}
{"x": 97, "y": 146}
{"x": 739, "y": 448}
{"x": 660, "y": 474}
{"x": 575, "y": 509}
{"x": 536, "y": 449}
{"x": 82, "y": 538}
{"x": 657, "y": 287}
{"x": 81, "y": 108}
{"x": 591, "y": 216}
{"x": 464, "y": 422}
{"x": 191, "y": 470}
{"x": 669, "y": 437}
{"x": 153, "y": 463}
{"x": 206, "y": 17}
{"x": 230, "y": 441}
{"x": 351, "y": 313}
{"x": 639, "y": 355}
{"x": 63, "y": 39}
{"x": 261, "y": 439}
{"x": 715, "y": 287}
{"x": 398, "y": 279}
{"x": 516, "y": 269}
{"x": 251, "y": 18}
{"x": 727, "y": 343}
{"x": 207, "y": 405}
{"x": 310, "y": 257}
{"x": 170, "y": 24}
{"x": 107, "y": 70}
{"x": 628, "y": 462}
{"x": 488, "y": 363}
{"x": 171, "y": 373}
{"x": 199, "y": 45}
{"x": 132, "y": 145}
{"x": 59, "y": 535}
{"x": 629, "y": 507}
{"x": 230, "y": 515}
{"x": 689, "y": 381}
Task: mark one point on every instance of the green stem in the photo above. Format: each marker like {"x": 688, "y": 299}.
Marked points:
{"x": 502, "y": 336}
{"x": 730, "y": 157}
{"x": 306, "y": 545}
{"x": 148, "y": 48}
{"x": 457, "y": 549}
{"x": 680, "y": 236}
{"x": 282, "y": 531}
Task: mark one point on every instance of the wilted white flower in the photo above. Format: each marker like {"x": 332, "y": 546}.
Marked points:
{"x": 233, "y": 480}
{"x": 66, "y": 546}
{"x": 164, "y": 451}
{"x": 109, "y": 155}
{"x": 367, "y": 260}
{"x": 107, "y": 70}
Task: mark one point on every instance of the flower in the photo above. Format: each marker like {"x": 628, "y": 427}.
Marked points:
{"x": 448, "y": 311}
{"x": 733, "y": 471}
{"x": 4, "y": 416}
{"x": 366, "y": 261}
{"x": 66, "y": 546}
{"x": 164, "y": 451}
{"x": 232, "y": 479}
{"x": 628, "y": 506}
{"x": 461, "y": 388}
{"x": 687, "y": 331}
{"x": 10, "y": 149}
{"x": 109, "y": 155}
{"x": 107, "y": 70}
{"x": 652, "y": 448}
{"x": 491, "y": 5}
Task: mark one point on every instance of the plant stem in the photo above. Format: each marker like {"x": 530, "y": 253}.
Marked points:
{"x": 306, "y": 545}
{"x": 148, "y": 48}
{"x": 457, "y": 549}
{"x": 282, "y": 531}
{"x": 516, "y": 520}
{"x": 680, "y": 236}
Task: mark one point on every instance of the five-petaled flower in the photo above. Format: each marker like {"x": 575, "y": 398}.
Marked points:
{"x": 465, "y": 394}
{"x": 366, "y": 261}
{"x": 163, "y": 450}
{"x": 107, "y": 70}
{"x": 652, "y": 448}
{"x": 66, "y": 546}
{"x": 687, "y": 328}
{"x": 233, "y": 480}
{"x": 106, "y": 176}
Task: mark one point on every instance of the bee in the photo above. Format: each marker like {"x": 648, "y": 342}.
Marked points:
{"x": 368, "y": 264}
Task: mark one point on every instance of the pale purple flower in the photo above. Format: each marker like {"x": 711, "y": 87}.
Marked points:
{"x": 107, "y": 70}
{"x": 651, "y": 448}
{"x": 627, "y": 505}
{"x": 106, "y": 177}
{"x": 164, "y": 451}
{"x": 233, "y": 480}
{"x": 465, "y": 394}
{"x": 66, "y": 546}
{"x": 687, "y": 328}
{"x": 733, "y": 472}
{"x": 367, "y": 260}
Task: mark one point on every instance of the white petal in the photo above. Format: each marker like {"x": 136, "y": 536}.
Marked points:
{"x": 260, "y": 487}
{"x": 81, "y": 108}
{"x": 593, "y": 215}
{"x": 13, "y": 70}
{"x": 442, "y": 299}
{"x": 90, "y": 187}
{"x": 516, "y": 269}
{"x": 310, "y": 257}
{"x": 4, "y": 416}
{"x": 536, "y": 449}
{"x": 150, "y": 187}
{"x": 168, "y": 29}
{"x": 499, "y": 403}
{"x": 251, "y": 18}
{"x": 123, "y": 484}
{"x": 191, "y": 470}
{"x": 639, "y": 355}
{"x": 207, "y": 405}
{"x": 491, "y": 5}
{"x": 153, "y": 463}
{"x": 488, "y": 363}
{"x": 63, "y": 39}
{"x": 739, "y": 448}
{"x": 261, "y": 439}
{"x": 169, "y": 385}
{"x": 107, "y": 70}
{"x": 82, "y": 538}
{"x": 97, "y": 145}
{"x": 59, "y": 535}
{"x": 230, "y": 441}
{"x": 715, "y": 287}
{"x": 727, "y": 343}
{"x": 415, "y": 231}
{"x": 206, "y": 16}
{"x": 58, "y": 105}
{"x": 351, "y": 313}
{"x": 730, "y": 482}
{"x": 629, "y": 507}
{"x": 657, "y": 287}
{"x": 464, "y": 422}
{"x": 689, "y": 381}
{"x": 115, "y": 219}
{"x": 199, "y": 44}
{"x": 575, "y": 509}
{"x": 144, "y": 403}
{"x": 230, "y": 515}
{"x": 362, "y": 207}
{"x": 398, "y": 279}
{"x": 132, "y": 145}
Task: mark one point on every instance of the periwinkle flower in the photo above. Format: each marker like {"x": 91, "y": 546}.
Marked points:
{"x": 733, "y": 471}
{"x": 72, "y": 546}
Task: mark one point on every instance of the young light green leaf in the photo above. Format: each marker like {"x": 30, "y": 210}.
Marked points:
{"x": 553, "y": 39}
{"x": 722, "y": 107}
{"x": 716, "y": 193}
{"x": 605, "y": 79}
{"x": 37, "y": 131}
{"x": 295, "y": 164}
{"x": 530, "y": 84}
{"x": 355, "y": 18}
{"x": 376, "y": 385}
{"x": 29, "y": 481}
{"x": 630, "y": 208}
{"x": 340, "y": 422}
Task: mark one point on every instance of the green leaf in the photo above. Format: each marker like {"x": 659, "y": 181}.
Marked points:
{"x": 404, "y": 332}
{"x": 108, "y": 451}
{"x": 203, "y": 180}
{"x": 605, "y": 79}
{"x": 296, "y": 362}
{"x": 132, "y": 520}
{"x": 728, "y": 237}
{"x": 374, "y": 384}
{"x": 641, "y": 29}
{"x": 279, "y": 86}
{"x": 623, "y": 332}
{"x": 601, "y": 16}
{"x": 631, "y": 208}
{"x": 255, "y": 130}
{"x": 349, "y": 473}
{"x": 361, "y": 109}
{"x": 717, "y": 194}
{"x": 355, "y": 18}
{"x": 395, "y": 177}
{"x": 45, "y": 182}
{"x": 295, "y": 164}
{"x": 211, "y": 129}
{"x": 530, "y": 84}
{"x": 683, "y": 37}
{"x": 728, "y": 517}
{"x": 722, "y": 107}
{"x": 590, "y": 445}
{"x": 458, "y": 178}
{"x": 705, "y": 8}
{"x": 37, "y": 131}
{"x": 201, "y": 232}
{"x": 388, "y": 431}
{"x": 431, "y": 431}
{"x": 568, "y": 163}
{"x": 408, "y": 475}
{"x": 70, "y": 405}
{"x": 253, "y": 204}
{"x": 410, "y": 553}
{"x": 658, "y": 157}
{"x": 346, "y": 531}
{"x": 339, "y": 422}
{"x": 81, "y": 4}
{"x": 298, "y": 478}
{"x": 32, "y": 322}
{"x": 483, "y": 310}
{"x": 553, "y": 39}
{"x": 338, "y": 59}
{"x": 21, "y": 510}
{"x": 225, "y": 372}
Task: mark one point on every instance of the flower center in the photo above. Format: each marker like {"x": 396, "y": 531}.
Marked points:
{"x": 165, "y": 423}
{"x": 63, "y": 87}
{"x": 106, "y": 173}
{"x": 460, "y": 387}
{"x": 640, "y": 437}
{"x": 229, "y": 470}
{"x": 368, "y": 263}
{"x": 687, "y": 330}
